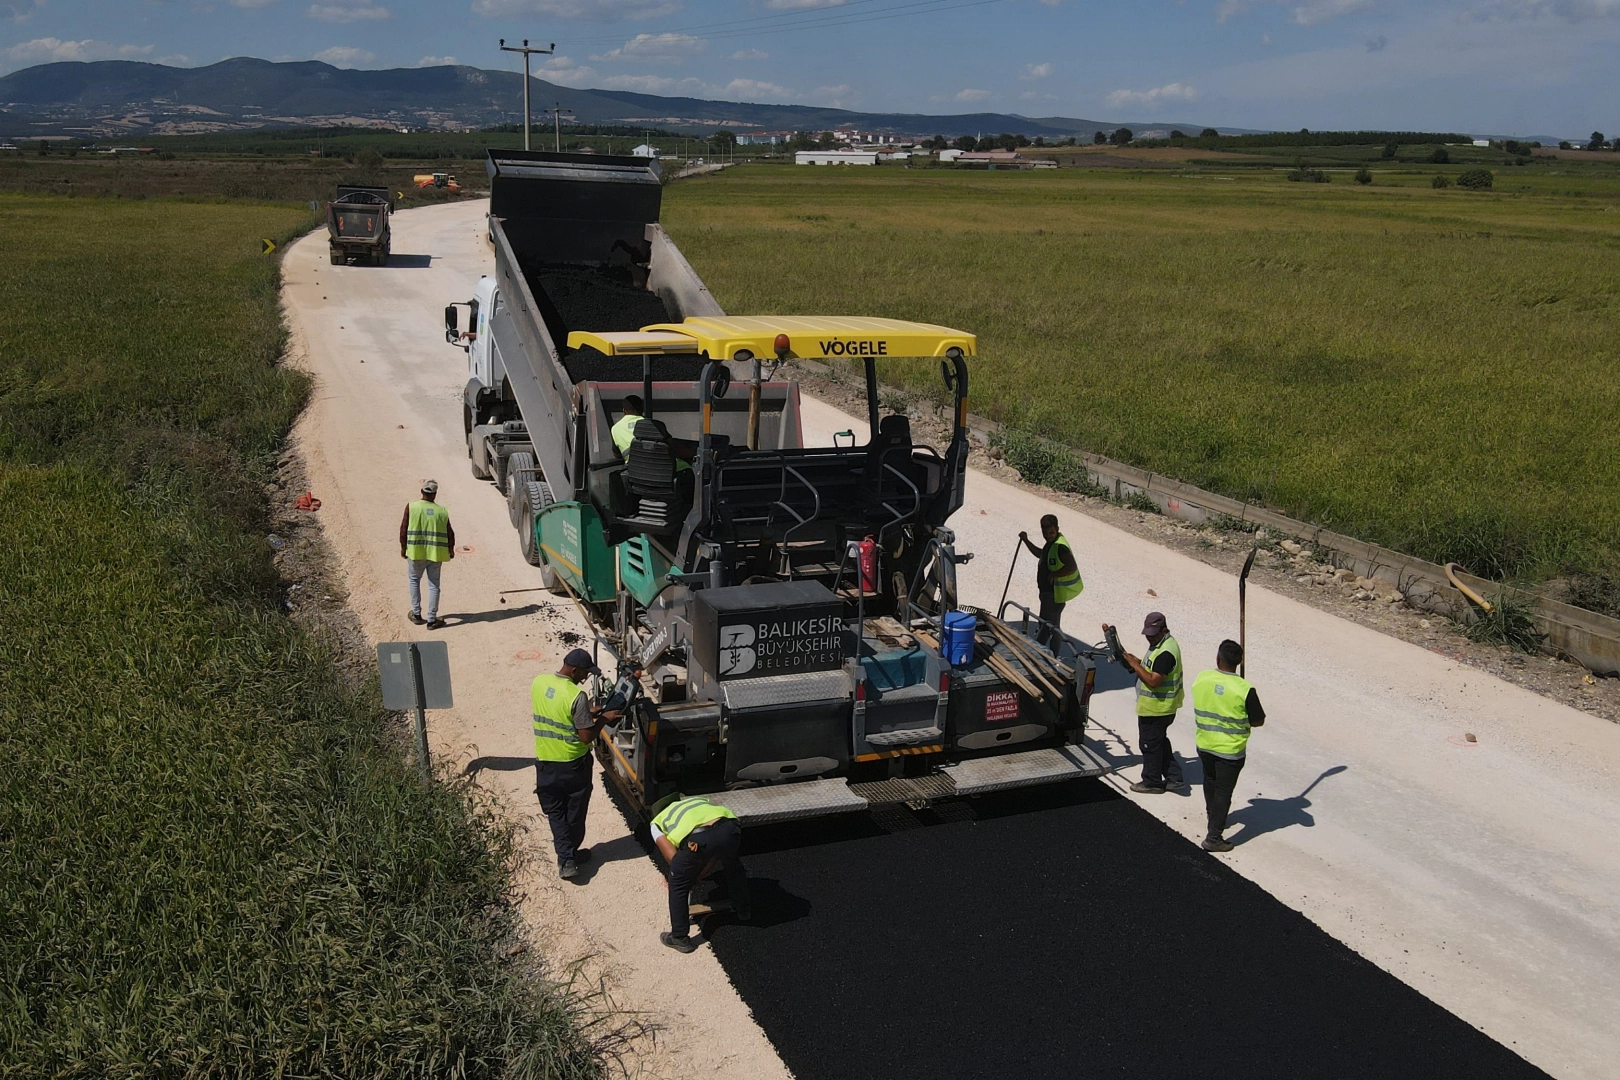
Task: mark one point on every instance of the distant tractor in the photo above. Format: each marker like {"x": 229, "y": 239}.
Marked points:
{"x": 447, "y": 181}
{"x": 357, "y": 225}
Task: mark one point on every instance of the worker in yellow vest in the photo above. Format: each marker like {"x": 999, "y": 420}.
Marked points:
{"x": 426, "y": 542}
{"x": 565, "y": 727}
{"x": 1159, "y": 695}
{"x": 693, "y": 834}
{"x": 624, "y": 433}
{"x": 1057, "y": 578}
{"x": 1225, "y": 707}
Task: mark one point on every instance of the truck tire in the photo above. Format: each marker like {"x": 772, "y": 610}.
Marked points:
{"x": 539, "y": 497}
{"x": 337, "y": 257}
{"x": 520, "y": 472}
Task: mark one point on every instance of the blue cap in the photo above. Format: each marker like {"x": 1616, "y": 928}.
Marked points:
{"x": 579, "y": 658}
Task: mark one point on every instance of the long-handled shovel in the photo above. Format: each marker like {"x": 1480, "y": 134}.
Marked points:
{"x": 1243, "y": 609}
{"x": 1017, "y": 551}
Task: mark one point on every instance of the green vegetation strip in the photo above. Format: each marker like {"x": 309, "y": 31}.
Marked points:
{"x": 212, "y": 860}
{"x": 1428, "y": 369}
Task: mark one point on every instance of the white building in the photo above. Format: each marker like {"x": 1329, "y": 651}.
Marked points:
{"x": 947, "y": 156}
{"x": 644, "y": 150}
{"x": 835, "y": 157}
{"x": 1482, "y": 142}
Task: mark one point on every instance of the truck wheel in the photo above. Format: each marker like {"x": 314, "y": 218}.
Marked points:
{"x": 337, "y": 257}
{"x": 519, "y": 473}
{"x": 539, "y": 497}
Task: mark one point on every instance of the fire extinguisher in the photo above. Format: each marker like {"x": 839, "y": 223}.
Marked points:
{"x": 869, "y": 565}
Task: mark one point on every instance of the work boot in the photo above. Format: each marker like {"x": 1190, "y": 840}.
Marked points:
{"x": 681, "y": 944}
{"x": 1216, "y": 843}
{"x": 1148, "y": 789}
{"x": 582, "y": 855}
{"x": 1177, "y": 785}
{"x": 416, "y": 619}
{"x": 435, "y": 624}
{"x": 569, "y": 870}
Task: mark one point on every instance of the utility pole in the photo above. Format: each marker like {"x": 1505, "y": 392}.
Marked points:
{"x": 526, "y": 51}
{"x": 557, "y": 111}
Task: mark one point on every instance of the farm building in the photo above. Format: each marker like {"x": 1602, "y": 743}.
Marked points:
{"x": 835, "y": 157}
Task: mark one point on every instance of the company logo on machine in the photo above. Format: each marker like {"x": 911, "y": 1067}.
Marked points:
{"x": 780, "y": 646}
{"x": 737, "y": 657}
{"x": 1000, "y": 705}
{"x": 854, "y": 348}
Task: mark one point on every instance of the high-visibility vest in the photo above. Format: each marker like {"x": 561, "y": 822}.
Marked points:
{"x": 1165, "y": 700}
{"x": 680, "y": 818}
{"x": 1221, "y": 709}
{"x": 427, "y": 532}
{"x": 1065, "y": 587}
{"x": 624, "y": 433}
{"x": 555, "y": 738}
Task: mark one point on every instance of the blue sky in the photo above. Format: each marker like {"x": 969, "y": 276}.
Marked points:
{"x": 1481, "y": 66}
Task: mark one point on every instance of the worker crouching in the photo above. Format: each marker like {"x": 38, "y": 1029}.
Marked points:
{"x": 693, "y": 834}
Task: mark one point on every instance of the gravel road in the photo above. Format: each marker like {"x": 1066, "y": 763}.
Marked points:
{"x": 1484, "y": 874}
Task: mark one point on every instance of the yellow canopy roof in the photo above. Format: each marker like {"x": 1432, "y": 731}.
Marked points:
{"x": 816, "y": 337}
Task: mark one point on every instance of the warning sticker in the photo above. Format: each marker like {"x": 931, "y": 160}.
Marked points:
{"x": 1001, "y": 705}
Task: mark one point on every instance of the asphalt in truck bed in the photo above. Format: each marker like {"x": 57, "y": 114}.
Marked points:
{"x": 1059, "y": 932}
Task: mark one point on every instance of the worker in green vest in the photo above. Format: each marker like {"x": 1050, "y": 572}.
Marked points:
{"x": 1057, "y": 578}
{"x": 1159, "y": 695}
{"x": 624, "y": 433}
{"x": 565, "y": 727}
{"x": 426, "y": 542}
{"x": 692, "y": 835}
{"x": 1225, "y": 708}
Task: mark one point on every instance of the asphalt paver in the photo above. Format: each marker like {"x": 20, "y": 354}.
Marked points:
{"x": 1059, "y": 932}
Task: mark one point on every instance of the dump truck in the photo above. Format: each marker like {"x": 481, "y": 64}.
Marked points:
{"x": 782, "y": 619}
{"x": 357, "y": 225}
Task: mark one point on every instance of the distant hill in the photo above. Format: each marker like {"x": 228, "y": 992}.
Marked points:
{"x": 110, "y": 98}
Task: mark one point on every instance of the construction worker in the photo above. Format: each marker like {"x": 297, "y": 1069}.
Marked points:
{"x": 1057, "y": 578}
{"x": 426, "y": 541}
{"x": 693, "y": 834}
{"x": 565, "y": 726}
{"x": 1225, "y": 708}
{"x": 1158, "y": 696}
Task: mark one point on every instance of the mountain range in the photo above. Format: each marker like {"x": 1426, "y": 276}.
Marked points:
{"x": 113, "y": 98}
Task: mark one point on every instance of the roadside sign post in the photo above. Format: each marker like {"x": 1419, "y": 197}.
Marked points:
{"x": 415, "y": 676}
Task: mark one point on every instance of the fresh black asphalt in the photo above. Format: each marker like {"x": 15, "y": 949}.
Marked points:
{"x": 1059, "y": 932}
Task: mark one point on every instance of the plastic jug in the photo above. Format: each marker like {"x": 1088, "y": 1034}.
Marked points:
{"x": 958, "y": 643}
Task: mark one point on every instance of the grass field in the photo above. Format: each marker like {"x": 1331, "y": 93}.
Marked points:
{"x": 1429, "y": 369}
{"x": 212, "y": 860}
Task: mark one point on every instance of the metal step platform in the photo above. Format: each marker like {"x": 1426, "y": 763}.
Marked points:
{"x": 833, "y": 795}
{"x": 784, "y": 802}
{"x": 1027, "y": 769}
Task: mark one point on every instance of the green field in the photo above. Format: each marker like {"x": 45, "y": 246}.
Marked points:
{"x": 213, "y": 860}
{"x": 1429, "y": 369}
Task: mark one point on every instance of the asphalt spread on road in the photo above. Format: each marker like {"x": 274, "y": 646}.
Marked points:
{"x": 1058, "y": 932}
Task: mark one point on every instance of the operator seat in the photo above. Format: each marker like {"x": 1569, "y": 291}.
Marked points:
{"x": 662, "y": 494}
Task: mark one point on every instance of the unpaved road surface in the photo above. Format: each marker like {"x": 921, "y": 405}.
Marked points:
{"x": 1485, "y": 873}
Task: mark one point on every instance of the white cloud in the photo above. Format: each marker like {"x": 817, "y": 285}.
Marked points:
{"x": 658, "y": 48}
{"x": 1570, "y": 10}
{"x": 1035, "y": 71}
{"x": 1321, "y": 11}
{"x": 585, "y": 10}
{"x": 1168, "y": 92}
{"x": 750, "y": 54}
{"x": 565, "y": 72}
{"x": 754, "y": 90}
{"x": 842, "y": 96}
{"x": 345, "y": 56}
{"x": 971, "y": 95}
{"x": 348, "y": 11}
{"x": 49, "y": 50}
{"x": 437, "y": 61}
{"x": 802, "y": 5}
{"x": 18, "y": 10}
{"x": 651, "y": 84}
{"x": 176, "y": 60}
{"x": 1316, "y": 12}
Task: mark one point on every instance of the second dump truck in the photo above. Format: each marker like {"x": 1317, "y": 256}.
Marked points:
{"x": 782, "y": 616}
{"x": 357, "y": 225}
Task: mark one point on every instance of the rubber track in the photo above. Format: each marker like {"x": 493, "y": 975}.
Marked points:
{"x": 1059, "y": 932}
